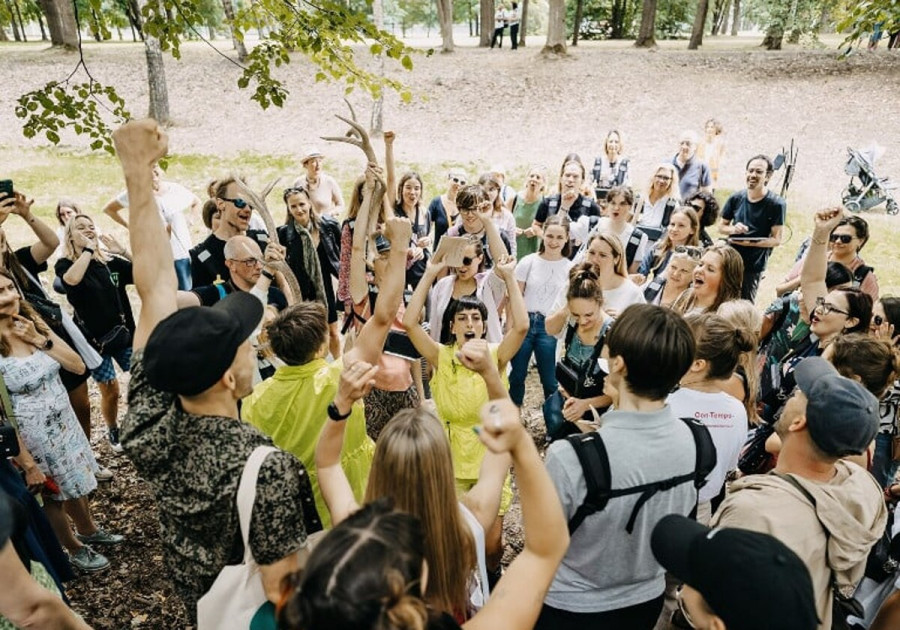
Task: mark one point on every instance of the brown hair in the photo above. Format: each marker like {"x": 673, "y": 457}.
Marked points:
{"x": 562, "y": 221}
{"x": 298, "y": 332}
{"x": 26, "y": 311}
{"x": 615, "y": 244}
{"x": 486, "y": 180}
{"x": 665, "y": 244}
{"x": 470, "y": 196}
{"x": 313, "y": 213}
{"x": 729, "y": 287}
{"x": 584, "y": 283}
{"x": 743, "y": 315}
{"x": 873, "y": 361}
{"x": 413, "y": 466}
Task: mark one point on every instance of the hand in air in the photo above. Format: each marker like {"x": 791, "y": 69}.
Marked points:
{"x": 357, "y": 380}
{"x": 398, "y": 231}
{"x": 140, "y": 144}
{"x": 501, "y": 429}
{"x": 475, "y": 354}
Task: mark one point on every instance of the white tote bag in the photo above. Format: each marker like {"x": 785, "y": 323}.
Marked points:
{"x": 238, "y": 592}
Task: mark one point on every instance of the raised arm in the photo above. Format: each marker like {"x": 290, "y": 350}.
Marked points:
{"x": 112, "y": 209}
{"x": 517, "y": 599}
{"x": 370, "y": 341}
{"x": 495, "y": 243}
{"x": 427, "y": 347}
{"x": 359, "y": 288}
{"x": 357, "y": 379}
{"x": 139, "y": 144}
{"x": 815, "y": 265}
{"x": 518, "y": 316}
{"x": 47, "y": 239}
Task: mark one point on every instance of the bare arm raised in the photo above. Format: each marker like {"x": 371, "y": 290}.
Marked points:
{"x": 139, "y": 144}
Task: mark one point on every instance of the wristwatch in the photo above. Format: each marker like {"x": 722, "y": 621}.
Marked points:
{"x": 336, "y": 415}
{"x": 270, "y": 276}
{"x": 47, "y": 345}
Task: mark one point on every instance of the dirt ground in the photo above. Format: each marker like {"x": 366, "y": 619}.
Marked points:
{"x": 487, "y": 107}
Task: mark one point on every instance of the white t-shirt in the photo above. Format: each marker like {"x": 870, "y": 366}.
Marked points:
{"x": 652, "y": 215}
{"x": 605, "y": 225}
{"x": 543, "y": 280}
{"x": 726, "y": 419}
{"x": 617, "y": 300}
{"x": 172, "y": 200}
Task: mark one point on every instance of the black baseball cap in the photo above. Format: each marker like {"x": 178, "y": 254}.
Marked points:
{"x": 842, "y": 416}
{"x": 190, "y": 349}
{"x": 749, "y": 579}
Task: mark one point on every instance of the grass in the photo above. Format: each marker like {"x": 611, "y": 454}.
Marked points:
{"x": 92, "y": 179}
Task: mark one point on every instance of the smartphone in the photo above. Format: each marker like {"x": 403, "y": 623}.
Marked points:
{"x": 6, "y": 188}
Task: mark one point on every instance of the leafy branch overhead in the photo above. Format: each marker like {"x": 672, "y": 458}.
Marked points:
{"x": 329, "y": 33}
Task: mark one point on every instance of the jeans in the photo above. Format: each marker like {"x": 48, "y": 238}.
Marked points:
{"x": 637, "y": 617}
{"x": 183, "y": 273}
{"x": 883, "y": 468}
{"x": 514, "y": 35}
{"x": 750, "y": 285}
{"x": 543, "y": 346}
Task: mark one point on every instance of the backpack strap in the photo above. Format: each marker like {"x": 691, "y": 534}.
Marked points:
{"x": 570, "y": 334}
{"x": 621, "y": 171}
{"x": 594, "y": 461}
{"x": 634, "y": 241}
{"x": 861, "y": 272}
{"x": 667, "y": 212}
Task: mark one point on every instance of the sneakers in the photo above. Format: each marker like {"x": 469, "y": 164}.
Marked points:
{"x": 88, "y": 560}
{"x": 113, "y": 436}
{"x": 104, "y": 474}
{"x": 100, "y": 537}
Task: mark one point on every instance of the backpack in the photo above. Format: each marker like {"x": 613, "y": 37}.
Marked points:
{"x": 631, "y": 247}
{"x": 594, "y": 460}
{"x": 860, "y": 274}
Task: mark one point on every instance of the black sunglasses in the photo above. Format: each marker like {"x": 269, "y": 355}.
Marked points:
{"x": 843, "y": 238}
{"x": 691, "y": 252}
{"x": 458, "y": 180}
{"x": 697, "y": 207}
{"x": 878, "y": 320}
{"x": 239, "y": 203}
{"x": 466, "y": 261}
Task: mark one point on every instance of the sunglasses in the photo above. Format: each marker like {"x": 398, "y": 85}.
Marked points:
{"x": 697, "y": 207}
{"x": 239, "y": 203}
{"x": 694, "y": 253}
{"x": 458, "y": 180}
{"x": 826, "y": 308}
{"x": 878, "y": 320}
{"x": 466, "y": 261}
{"x": 843, "y": 238}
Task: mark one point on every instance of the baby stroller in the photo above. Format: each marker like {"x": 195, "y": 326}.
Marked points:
{"x": 866, "y": 190}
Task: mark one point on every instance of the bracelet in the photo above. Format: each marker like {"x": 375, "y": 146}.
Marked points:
{"x": 819, "y": 242}
{"x": 268, "y": 275}
{"x": 87, "y": 249}
{"x": 336, "y": 415}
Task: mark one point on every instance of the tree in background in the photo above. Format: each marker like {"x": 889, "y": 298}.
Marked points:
{"x": 445, "y": 19}
{"x": 647, "y": 32}
{"x": 556, "y": 29}
{"x": 699, "y": 25}
{"x": 487, "y": 23}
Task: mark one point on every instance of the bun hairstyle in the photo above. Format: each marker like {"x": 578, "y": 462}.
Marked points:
{"x": 719, "y": 343}
{"x": 584, "y": 283}
{"x": 563, "y": 222}
{"x": 365, "y": 574}
{"x": 744, "y": 316}
{"x": 873, "y": 361}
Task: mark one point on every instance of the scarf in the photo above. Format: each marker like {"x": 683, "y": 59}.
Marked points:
{"x": 310, "y": 261}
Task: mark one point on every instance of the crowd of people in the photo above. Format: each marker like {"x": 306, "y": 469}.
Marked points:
{"x": 332, "y": 408}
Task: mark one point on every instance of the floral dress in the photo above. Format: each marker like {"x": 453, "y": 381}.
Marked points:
{"x": 47, "y": 424}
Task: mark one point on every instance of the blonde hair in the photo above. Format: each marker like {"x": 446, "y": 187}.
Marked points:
{"x": 743, "y": 315}
{"x": 615, "y": 244}
{"x": 68, "y": 241}
{"x": 26, "y": 311}
{"x": 413, "y": 466}
{"x": 665, "y": 243}
{"x": 672, "y": 190}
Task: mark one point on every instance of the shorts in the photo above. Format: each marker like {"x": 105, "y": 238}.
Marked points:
{"x": 106, "y": 372}
{"x": 506, "y": 494}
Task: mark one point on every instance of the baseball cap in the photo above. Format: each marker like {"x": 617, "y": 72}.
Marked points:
{"x": 749, "y": 579}
{"x": 842, "y": 416}
{"x": 190, "y": 349}
{"x": 310, "y": 153}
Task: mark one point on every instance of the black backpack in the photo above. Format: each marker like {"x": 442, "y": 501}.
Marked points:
{"x": 595, "y": 464}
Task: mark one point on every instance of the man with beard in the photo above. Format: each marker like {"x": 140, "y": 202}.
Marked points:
{"x": 208, "y": 258}
{"x": 828, "y": 511}
{"x": 183, "y": 430}
{"x": 753, "y": 220}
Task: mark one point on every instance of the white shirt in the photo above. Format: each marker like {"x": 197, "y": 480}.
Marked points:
{"x": 543, "y": 281}
{"x": 726, "y": 419}
{"x": 172, "y": 200}
{"x": 605, "y": 225}
{"x": 617, "y": 300}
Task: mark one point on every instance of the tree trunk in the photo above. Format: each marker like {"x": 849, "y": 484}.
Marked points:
{"x": 487, "y": 23}
{"x": 647, "y": 33}
{"x": 774, "y": 37}
{"x": 156, "y": 77}
{"x": 376, "y": 125}
{"x": 523, "y": 23}
{"x": 61, "y": 22}
{"x": 44, "y": 37}
{"x": 21, "y": 21}
{"x": 12, "y": 20}
{"x": 556, "y": 29}
{"x": 3, "y": 36}
{"x": 699, "y": 23}
{"x": 445, "y": 19}
{"x": 723, "y": 24}
{"x": 228, "y": 8}
{"x": 134, "y": 18}
{"x": 579, "y": 13}
{"x": 736, "y": 18}
{"x": 617, "y": 19}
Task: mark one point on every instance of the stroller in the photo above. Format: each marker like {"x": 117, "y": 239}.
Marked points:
{"x": 866, "y": 190}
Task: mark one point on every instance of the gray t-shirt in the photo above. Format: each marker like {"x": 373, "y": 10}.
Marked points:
{"x": 606, "y": 568}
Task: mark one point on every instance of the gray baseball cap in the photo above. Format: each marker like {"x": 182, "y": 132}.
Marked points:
{"x": 842, "y": 416}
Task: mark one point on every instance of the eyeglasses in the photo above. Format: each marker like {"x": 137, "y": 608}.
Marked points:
{"x": 458, "y": 180}
{"x": 682, "y": 607}
{"x": 827, "y": 308}
{"x": 694, "y": 253}
{"x": 249, "y": 263}
{"x": 878, "y": 320}
{"x": 697, "y": 207}
{"x": 663, "y": 178}
{"x": 468, "y": 210}
{"x": 843, "y": 238}
{"x": 239, "y": 203}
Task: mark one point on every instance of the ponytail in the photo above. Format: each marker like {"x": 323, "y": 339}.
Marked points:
{"x": 584, "y": 283}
